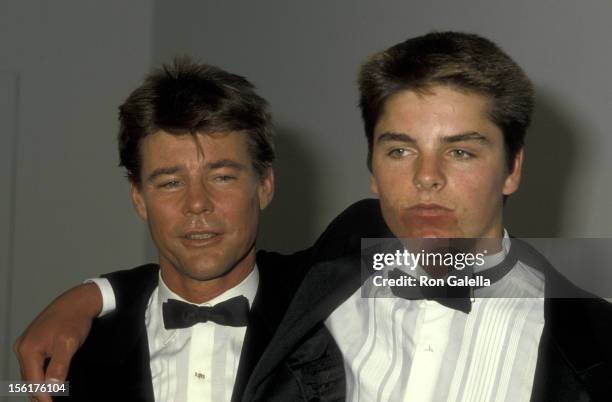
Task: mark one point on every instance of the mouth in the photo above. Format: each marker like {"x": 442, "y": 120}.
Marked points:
{"x": 429, "y": 210}
{"x": 429, "y": 220}
{"x": 200, "y": 238}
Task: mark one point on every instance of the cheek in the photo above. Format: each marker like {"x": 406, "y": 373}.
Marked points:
{"x": 159, "y": 223}
{"x": 239, "y": 211}
{"x": 162, "y": 213}
{"x": 393, "y": 183}
{"x": 477, "y": 191}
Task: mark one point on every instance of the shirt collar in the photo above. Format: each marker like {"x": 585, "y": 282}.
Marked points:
{"x": 495, "y": 259}
{"x": 246, "y": 288}
{"x": 489, "y": 260}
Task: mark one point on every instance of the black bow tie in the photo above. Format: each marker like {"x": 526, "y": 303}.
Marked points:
{"x": 232, "y": 312}
{"x": 455, "y": 297}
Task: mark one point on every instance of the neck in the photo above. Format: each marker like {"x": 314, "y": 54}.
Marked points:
{"x": 201, "y": 291}
{"x": 492, "y": 242}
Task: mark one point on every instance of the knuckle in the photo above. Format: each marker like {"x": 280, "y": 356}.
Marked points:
{"x": 21, "y": 347}
{"x": 68, "y": 341}
{"x": 16, "y": 346}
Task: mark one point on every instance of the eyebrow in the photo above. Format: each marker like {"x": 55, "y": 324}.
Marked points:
{"x": 225, "y": 163}
{"x": 469, "y": 136}
{"x": 402, "y": 137}
{"x": 170, "y": 170}
{"x": 163, "y": 171}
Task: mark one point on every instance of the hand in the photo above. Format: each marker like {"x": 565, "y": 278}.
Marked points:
{"x": 57, "y": 333}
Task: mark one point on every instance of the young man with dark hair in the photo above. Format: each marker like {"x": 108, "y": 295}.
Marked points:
{"x": 462, "y": 61}
{"x": 434, "y": 74}
{"x": 445, "y": 116}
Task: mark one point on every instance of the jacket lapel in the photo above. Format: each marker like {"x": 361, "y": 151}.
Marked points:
{"x": 256, "y": 339}
{"x": 274, "y": 292}
{"x": 332, "y": 273}
{"x": 324, "y": 288}
{"x": 571, "y": 364}
{"x": 569, "y": 359}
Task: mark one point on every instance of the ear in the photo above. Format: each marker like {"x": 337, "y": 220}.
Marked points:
{"x": 265, "y": 188}
{"x": 373, "y": 184}
{"x": 138, "y": 201}
{"x": 512, "y": 182}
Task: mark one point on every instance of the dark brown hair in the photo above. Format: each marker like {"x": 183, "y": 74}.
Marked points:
{"x": 190, "y": 98}
{"x": 466, "y": 61}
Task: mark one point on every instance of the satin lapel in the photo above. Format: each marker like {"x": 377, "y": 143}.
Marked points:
{"x": 554, "y": 379}
{"x": 570, "y": 367}
{"x": 268, "y": 308}
{"x": 324, "y": 288}
{"x": 332, "y": 278}
{"x": 256, "y": 339}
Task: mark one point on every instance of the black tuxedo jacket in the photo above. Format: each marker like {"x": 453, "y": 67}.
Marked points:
{"x": 574, "y": 360}
{"x": 575, "y": 353}
{"x": 113, "y": 363}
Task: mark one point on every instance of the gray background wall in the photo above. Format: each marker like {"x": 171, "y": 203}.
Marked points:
{"x": 66, "y": 65}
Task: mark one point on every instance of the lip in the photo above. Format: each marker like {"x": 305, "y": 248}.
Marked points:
{"x": 428, "y": 210}
{"x": 210, "y": 238}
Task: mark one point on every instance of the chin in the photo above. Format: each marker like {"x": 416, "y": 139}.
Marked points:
{"x": 206, "y": 273}
{"x": 431, "y": 233}
{"x": 200, "y": 276}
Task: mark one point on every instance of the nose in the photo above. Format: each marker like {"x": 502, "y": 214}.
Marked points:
{"x": 428, "y": 174}
{"x": 198, "y": 199}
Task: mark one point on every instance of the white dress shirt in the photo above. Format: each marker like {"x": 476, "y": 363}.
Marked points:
{"x": 199, "y": 363}
{"x": 419, "y": 350}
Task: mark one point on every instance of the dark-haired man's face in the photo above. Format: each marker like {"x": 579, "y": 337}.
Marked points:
{"x": 201, "y": 198}
{"x": 438, "y": 165}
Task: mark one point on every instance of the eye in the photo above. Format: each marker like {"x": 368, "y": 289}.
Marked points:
{"x": 170, "y": 184}
{"x": 224, "y": 178}
{"x": 398, "y": 153}
{"x": 462, "y": 154}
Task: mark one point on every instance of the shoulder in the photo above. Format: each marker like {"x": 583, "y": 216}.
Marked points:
{"x": 114, "y": 336}
{"x": 145, "y": 272}
{"x": 343, "y": 235}
{"x": 363, "y": 217}
{"x": 283, "y": 271}
{"x": 130, "y": 285}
